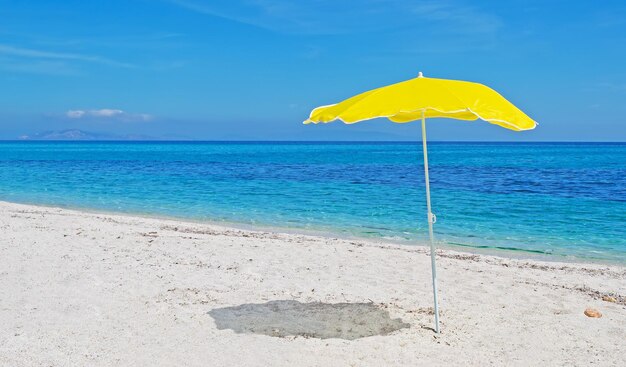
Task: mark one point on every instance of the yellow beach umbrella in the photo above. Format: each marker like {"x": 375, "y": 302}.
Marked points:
{"x": 422, "y": 98}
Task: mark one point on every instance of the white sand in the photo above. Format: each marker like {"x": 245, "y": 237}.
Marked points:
{"x": 81, "y": 289}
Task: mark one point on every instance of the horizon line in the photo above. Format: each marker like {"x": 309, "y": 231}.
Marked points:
{"x": 300, "y": 141}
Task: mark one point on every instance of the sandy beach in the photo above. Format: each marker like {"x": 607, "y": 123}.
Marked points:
{"x": 89, "y": 289}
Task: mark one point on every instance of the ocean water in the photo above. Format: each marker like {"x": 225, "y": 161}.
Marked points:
{"x": 564, "y": 200}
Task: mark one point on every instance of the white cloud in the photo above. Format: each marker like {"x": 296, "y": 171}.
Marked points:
{"x": 105, "y": 112}
{"x": 108, "y": 113}
{"x": 75, "y": 114}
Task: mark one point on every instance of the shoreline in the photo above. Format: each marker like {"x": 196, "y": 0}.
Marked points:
{"x": 507, "y": 253}
{"x": 172, "y": 223}
{"x": 96, "y": 289}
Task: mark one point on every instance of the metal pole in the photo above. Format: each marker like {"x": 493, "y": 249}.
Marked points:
{"x": 431, "y": 220}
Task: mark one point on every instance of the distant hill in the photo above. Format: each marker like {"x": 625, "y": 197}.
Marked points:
{"x": 75, "y": 134}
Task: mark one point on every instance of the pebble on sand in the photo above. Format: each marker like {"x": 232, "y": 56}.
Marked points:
{"x": 592, "y": 312}
{"x": 609, "y": 299}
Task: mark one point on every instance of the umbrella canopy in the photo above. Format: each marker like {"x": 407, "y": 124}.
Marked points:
{"x": 406, "y": 101}
{"x": 423, "y": 98}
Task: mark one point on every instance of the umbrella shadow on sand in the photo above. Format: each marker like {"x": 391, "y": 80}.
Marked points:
{"x": 315, "y": 320}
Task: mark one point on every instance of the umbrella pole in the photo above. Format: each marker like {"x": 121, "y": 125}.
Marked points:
{"x": 431, "y": 219}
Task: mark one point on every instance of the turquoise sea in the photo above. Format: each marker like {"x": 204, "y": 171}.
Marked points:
{"x": 565, "y": 200}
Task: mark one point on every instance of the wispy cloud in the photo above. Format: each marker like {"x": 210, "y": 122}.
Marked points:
{"x": 50, "y": 55}
{"x": 34, "y": 66}
{"x": 337, "y": 16}
{"x": 134, "y": 41}
{"x": 457, "y": 16}
{"x": 109, "y": 114}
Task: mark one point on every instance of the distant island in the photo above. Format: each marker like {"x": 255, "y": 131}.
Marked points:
{"x": 76, "y": 134}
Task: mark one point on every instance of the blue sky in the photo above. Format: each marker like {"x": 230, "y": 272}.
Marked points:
{"x": 254, "y": 69}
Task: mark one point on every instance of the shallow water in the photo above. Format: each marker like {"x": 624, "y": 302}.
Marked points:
{"x": 561, "y": 199}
